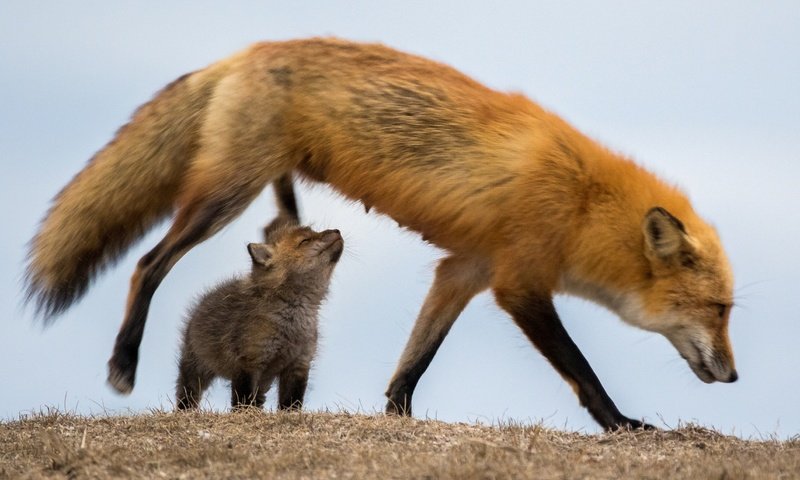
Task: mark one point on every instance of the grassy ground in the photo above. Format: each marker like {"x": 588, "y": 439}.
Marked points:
{"x": 327, "y": 445}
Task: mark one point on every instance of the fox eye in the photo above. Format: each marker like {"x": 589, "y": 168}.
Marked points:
{"x": 303, "y": 242}
{"x": 721, "y": 309}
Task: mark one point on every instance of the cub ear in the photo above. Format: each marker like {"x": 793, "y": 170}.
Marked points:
{"x": 664, "y": 235}
{"x": 260, "y": 253}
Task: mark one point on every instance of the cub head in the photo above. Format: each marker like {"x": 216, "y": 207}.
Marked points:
{"x": 291, "y": 251}
{"x": 687, "y": 294}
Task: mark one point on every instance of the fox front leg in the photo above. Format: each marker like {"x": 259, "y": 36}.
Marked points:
{"x": 457, "y": 280}
{"x": 245, "y": 392}
{"x": 292, "y": 385}
{"x": 536, "y": 316}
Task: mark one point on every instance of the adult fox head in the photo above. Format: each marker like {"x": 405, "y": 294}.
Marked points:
{"x": 688, "y": 295}
{"x": 665, "y": 275}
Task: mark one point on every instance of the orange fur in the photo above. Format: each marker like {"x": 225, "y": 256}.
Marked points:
{"x": 521, "y": 199}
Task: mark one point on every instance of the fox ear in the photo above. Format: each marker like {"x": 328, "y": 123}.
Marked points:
{"x": 664, "y": 235}
{"x": 260, "y": 253}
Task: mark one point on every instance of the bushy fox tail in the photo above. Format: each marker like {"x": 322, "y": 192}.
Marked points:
{"x": 125, "y": 189}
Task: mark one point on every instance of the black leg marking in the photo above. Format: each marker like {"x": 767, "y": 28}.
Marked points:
{"x": 284, "y": 195}
{"x": 192, "y": 382}
{"x": 151, "y": 270}
{"x": 261, "y": 398}
{"x": 125, "y": 358}
{"x": 244, "y": 391}
{"x": 292, "y": 388}
{"x": 457, "y": 280}
{"x": 537, "y": 317}
{"x": 403, "y": 384}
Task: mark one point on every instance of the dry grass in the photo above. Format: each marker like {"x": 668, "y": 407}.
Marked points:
{"x": 327, "y": 445}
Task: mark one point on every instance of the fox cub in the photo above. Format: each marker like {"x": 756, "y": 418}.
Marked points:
{"x": 254, "y": 329}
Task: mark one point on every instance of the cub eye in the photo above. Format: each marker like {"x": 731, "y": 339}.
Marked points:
{"x": 721, "y": 309}
{"x": 303, "y": 242}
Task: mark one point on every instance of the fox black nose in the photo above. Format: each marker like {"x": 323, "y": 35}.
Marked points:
{"x": 733, "y": 376}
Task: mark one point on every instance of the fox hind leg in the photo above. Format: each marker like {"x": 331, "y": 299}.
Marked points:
{"x": 285, "y": 197}
{"x": 192, "y": 382}
{"x": 217, "y": 197}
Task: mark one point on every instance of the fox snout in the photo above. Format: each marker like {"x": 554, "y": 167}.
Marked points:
{"x": 332, "y": 242}
{"x": 711, "y": 363}
{"x": 712, "y": 367}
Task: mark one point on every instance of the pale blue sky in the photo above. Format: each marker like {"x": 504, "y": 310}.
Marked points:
{"x": 703, "y": 93}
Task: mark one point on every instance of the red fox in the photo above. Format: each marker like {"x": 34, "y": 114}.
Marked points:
{"x": 524, "y": 204}
{"x": 252, "y": 330}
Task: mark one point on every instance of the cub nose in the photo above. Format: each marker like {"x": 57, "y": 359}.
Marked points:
{"x": 733, "y": 376}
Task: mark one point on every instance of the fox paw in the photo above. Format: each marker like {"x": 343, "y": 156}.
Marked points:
{"x": 628, "y": 424}
{"x": 121, "y": 374}
{"x": 399, "y": 408}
